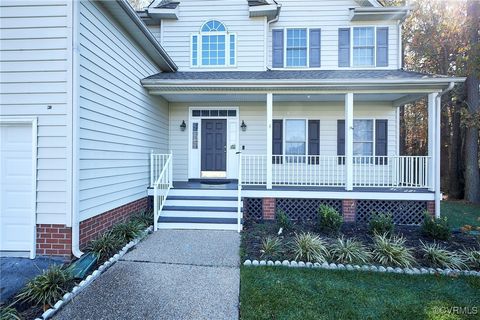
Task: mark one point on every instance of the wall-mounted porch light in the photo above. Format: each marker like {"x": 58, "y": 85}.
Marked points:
{"x": 183, "y": 126}
{"x": 243, "y": 126}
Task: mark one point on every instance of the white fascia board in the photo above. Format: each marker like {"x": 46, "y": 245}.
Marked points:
{"x": 269, "y": 10}
{"x": 379, "y": 13}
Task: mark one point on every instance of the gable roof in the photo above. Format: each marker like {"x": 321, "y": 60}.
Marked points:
{"x": 168, "y": 4}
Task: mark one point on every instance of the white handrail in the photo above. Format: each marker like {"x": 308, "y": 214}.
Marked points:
{"x": 161, "y": 187}
{"x": 239, "y": 193}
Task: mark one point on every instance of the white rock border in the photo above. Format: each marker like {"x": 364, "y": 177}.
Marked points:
{"x": 94, "y": 275}
{"x": 372, "y": 268}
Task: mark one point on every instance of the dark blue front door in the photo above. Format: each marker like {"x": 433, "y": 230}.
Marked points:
{"x": 214, "y": 145}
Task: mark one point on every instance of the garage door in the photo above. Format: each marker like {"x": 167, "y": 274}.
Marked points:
{"x": 17, "y": 212}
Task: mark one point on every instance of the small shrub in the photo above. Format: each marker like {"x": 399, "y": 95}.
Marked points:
{"x": 381, "y": 223}
{"x": 435, "y": 228}
{"x": 271, "y": 247}
{"x": 46, "y": 289}
{"x": 127, "y": 231}
{"x": 439, "y": 257}
{"x": 9, "y": 313}
{"x": 309, "y": 247}
{"x": 391, "y": 251}
{"x": 282, "y": 220}
{"x": 329, "y": 220}
{"x": 349, "y": 251}
{"x": 144, "y": 218}
{"x": 471, "y": 258}
{"x": 105, "y": 246}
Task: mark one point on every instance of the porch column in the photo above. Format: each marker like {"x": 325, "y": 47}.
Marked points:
{"x": 269, "y": 139}
{"x": 436, "y": 155}
{"x": 349, "y": 141}
{"x": 431, "y": 140}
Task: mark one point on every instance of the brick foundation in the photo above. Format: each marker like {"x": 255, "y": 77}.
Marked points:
{"x": 95, "y": 226}
{"x": 349, "y": 208}
{"x": 431, "y": 208}
{"x": 268, "y": 208}
{"x": 54, "y": 239}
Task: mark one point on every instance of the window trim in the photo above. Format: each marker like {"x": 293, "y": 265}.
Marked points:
{"x": 199, "y": 35}
{"x": 374, "y": 46}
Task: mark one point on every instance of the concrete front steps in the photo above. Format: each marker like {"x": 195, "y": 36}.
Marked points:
{"x": 211, "y": 209}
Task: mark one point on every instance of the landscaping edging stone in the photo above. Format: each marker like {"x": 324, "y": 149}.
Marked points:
{"x": 89, "y": 279}
{"x": 371, "y": 268}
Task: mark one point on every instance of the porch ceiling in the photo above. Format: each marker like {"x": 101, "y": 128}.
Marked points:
{"x": 201, "y": 98}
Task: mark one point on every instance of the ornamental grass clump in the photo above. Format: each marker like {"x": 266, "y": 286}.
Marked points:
{"x": 381, "y": 223}
{"x": 437, "y": 229}
{"x": 329, "y": 220}
{"x": 144, "y": 218}
{"x": 391, "y": 251}
{"x": 471, "y": 258}
{"x": 349, "y": 251}
{"x": 127, "y": 231}
{"x": 436, "y": 256}
{"x": 271, "y": 247}
{"x": 309, "y": 247}
{"x": 9, "y": 313}
{"x": 47, "y": 288}
{"x": 105, "y": 246}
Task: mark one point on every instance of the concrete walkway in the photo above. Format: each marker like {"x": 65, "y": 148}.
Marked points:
{"x": 173, "y": 274}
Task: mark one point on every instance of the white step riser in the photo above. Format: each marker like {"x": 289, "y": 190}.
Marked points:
{"x": 198, "y": 226}
{"x": 202, "y": 193}
{"x": 198, "y": 214}
{"x": 201, "y": 203}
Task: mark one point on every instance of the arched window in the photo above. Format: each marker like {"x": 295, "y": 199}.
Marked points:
{"x": 213, "y": 46}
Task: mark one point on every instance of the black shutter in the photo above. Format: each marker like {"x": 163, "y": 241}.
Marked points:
{"x": 277, "y": 141}
{"x": 341, "y": 140}
{"x": 381, "y": 140}
{"x": 277, "y": 48}
{"x": 313, "y": 141}
{"x": 382, "y": 47}
{"x": 315, "y": 44}
{"x": 344, "y": 47}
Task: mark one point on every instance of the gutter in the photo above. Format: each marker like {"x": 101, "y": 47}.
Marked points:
{"x": 438, "y": 113}
{"x": 75, "y": 108}
{"x": 136, "y": 19}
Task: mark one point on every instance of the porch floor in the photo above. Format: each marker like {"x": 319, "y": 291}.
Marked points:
{"x": 232, "y": 185}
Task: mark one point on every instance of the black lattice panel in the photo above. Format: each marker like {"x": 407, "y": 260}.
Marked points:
{"x": 305, "y": 209}
{"x": 252, "y": 208}
{"x": 404, "y": 212}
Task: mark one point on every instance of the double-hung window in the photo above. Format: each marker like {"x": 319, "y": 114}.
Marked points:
{"x": 213, "y": 46}
{"x": 296, "y": 47}
{"x": 363, "y": 138}
{"x": 295, "y": 137}
{"x": 364, "y": 46}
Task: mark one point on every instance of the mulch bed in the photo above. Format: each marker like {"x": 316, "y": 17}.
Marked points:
{"x": 254, "y": 232}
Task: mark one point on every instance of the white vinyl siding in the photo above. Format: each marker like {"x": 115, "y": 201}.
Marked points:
{"x": 35, "y": 81}
{"x": 120, "y": 123}
{"x": 329, "y": 15}
{"x": 233, "y": 14}
{"x": 254, "y": 115}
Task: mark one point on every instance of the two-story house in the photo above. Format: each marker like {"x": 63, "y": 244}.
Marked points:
{"x": 220, "y": 110}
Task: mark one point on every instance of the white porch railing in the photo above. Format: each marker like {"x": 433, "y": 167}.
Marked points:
{"x": 162, "y": 186}
{"x": 157, "y": 162}
{"x": 329, "y": 171}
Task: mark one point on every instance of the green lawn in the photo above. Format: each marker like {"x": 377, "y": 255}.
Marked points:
{"x": 286, "y": 293}
{"x": 460, "y": 213}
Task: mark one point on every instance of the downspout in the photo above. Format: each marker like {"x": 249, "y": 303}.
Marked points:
{"x": 438, "y": 117}
{"x": 75, "y": 127}
{"x": 267, "y": 29}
